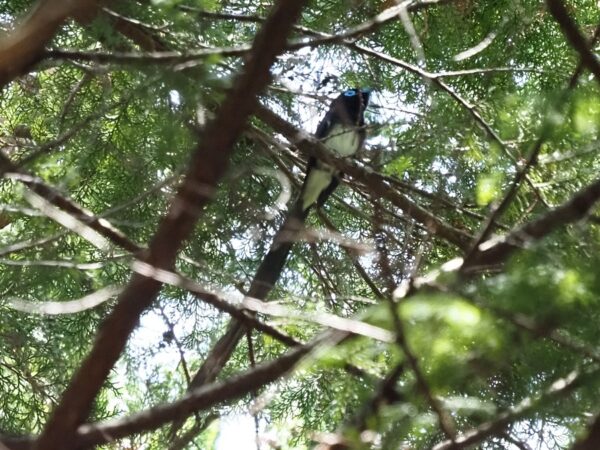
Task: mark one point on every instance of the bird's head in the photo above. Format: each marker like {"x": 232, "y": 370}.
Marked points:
{"x": 352, "y": 104}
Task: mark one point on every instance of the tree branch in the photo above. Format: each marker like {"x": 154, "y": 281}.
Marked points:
{"x": 89, "y": 435}
{"x": 496, "y": 250}
{"x": 209, "y": 163}
{"x": 376, "y": 183}
{"x": 52, "y": 196}
{"x": 23, "y": 47}
{"x": 546, "y": 128}
{"x": 558, "y": 389}
{"x": 574, "y": 36}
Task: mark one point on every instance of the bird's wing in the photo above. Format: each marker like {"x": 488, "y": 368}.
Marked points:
{"x": 325, "y": 125}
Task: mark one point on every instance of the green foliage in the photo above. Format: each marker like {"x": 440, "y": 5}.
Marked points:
{"x": 115, "y": 136}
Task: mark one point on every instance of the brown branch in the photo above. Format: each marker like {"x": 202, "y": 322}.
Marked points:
{"x": 54, "y": 197}
{"x": 264, "y": 140}
{"x": 24, "y": 245}
{"x": 385, "y": 393}
{"x": 591, "y": 440}
{"x": 376, "y": 183}
{"x": 209, "y": 163}
{"x": 198, "y": 400}
{"x": 156, "y": 57}
{"x": 327, "y": 38}
{"x": 558, "y": 389}
{"x": 430, "y": 77}
{"x": 200, "y": 426}
{"x": 213, "y": 299}
{"x": 355, "y": 262}
{"x": 385, "y": 16}
{"x": 116, "y": 237}
{"x": 173, "y": 337}
{"x": 532, "y": 159}
{"x": 23, "y": 47}
{"x": 47, "y": 147}
{"x": 138, "y": 32}
{"x": 172, "y": 57}
{"x": 574, "y": 36}
{"x": 496, "y": 251}
{"x": 497, "y": 211}
{"x": 445, "y": 421}
{"x": 486, "y": 70}
{"x": 224, "y": 348}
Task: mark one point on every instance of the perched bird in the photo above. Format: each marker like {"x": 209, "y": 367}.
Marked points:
{"x": 342, "y": 131}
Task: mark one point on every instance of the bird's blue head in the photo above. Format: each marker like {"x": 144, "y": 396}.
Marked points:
{"x": 363, "y": 93}
{"x": 355, "y": 102}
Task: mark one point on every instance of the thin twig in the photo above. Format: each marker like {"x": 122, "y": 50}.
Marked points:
{"x": 558, "y": 389}
{"x": 178, "y": 344}
{"x": 546, "y": 129}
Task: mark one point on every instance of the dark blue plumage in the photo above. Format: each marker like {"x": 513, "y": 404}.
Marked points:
{"x": 342, "y": 131}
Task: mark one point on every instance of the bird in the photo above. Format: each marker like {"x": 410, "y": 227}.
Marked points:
{"x": 342, "y": 131}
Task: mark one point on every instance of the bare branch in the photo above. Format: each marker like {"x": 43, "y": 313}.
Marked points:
{"x": 373, "y": 180}
{"x": 52, "y": 196}
{"x": 66, "y": 307}
{"x": 24, "y": 245}
{"x": 155, "y": 57}
{"x": 351, "y": 326}
{"x": 197, "y": 400}
{"x": 558, "y": 389}
{"x": 213, "y": 299}
{"x": 138, "y": 32}
{"x": 497, "y": 250}
{"x": 574, "y": 36}
{"x": 173, "y": 337}
{"x": 532, "y": 160}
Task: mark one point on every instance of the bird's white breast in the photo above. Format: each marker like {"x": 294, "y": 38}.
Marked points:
{"x": 343, "y": 140}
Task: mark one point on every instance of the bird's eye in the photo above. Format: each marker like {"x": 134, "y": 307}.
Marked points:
{"x": 350, "y": 93}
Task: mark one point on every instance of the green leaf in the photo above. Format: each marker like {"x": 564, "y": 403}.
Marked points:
{"x": 488, "y": 188}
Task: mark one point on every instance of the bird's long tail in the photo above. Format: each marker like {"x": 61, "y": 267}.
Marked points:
{"x": 274, "y": 261}
{"x": 265, "y": 278}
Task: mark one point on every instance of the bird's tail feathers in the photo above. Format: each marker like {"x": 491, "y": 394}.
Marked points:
{"x": 272, "y": 264}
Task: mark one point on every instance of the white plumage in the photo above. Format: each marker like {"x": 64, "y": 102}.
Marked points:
{"x": 341, "y": 140}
